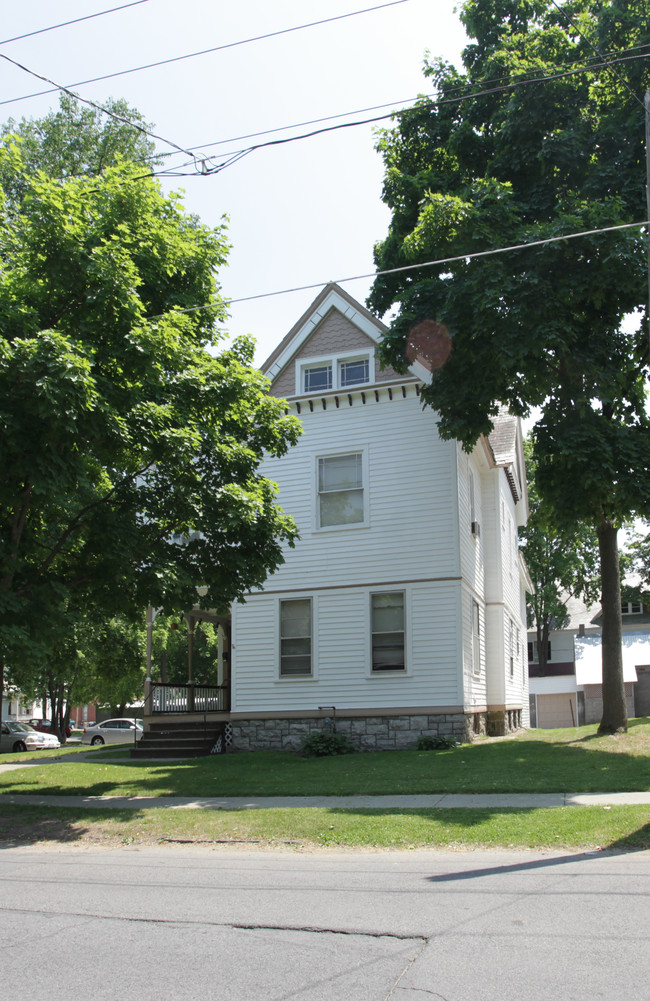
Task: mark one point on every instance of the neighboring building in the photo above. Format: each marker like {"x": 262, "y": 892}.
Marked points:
{"x": 401, "y": 609}
{"x": 16, "y": 706}
{"x": 569, "y": 692}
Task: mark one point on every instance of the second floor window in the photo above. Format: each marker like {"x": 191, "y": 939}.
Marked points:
{"x": 340, "y": 490}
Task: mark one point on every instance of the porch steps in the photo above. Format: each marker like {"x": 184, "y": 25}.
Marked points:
{"x": 180, "y": 740}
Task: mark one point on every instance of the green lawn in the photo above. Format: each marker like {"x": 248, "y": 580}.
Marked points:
{"x": 575, "y": 827}
{"x": 561, "y": 760}
{"x": 574, "y": 760}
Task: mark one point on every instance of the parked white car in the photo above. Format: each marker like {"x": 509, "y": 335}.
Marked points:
{"x": 23, "y": 737}
{"x": 113, "y": 731}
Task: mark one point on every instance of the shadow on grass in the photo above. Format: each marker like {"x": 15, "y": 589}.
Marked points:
{"x": 27, "y": 826}
{"x": 567, "y": 761}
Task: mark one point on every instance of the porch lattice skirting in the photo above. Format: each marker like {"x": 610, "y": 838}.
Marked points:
{"x": 368, "y": 733}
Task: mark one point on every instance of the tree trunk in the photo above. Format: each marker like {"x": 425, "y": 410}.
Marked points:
{"x": 614, "y": 719}
{"x": 542, "y": 647}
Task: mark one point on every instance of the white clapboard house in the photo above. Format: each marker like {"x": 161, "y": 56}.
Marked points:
{"x": 401, "y": 610}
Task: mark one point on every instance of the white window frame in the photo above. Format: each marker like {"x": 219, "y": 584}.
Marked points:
{"x": 395, "y": 671}
{"x": 472, "y": 496}
{"x": 296, "y": 677}
{"x": 475, "y": 611}
{"x": 363, "y": 452}
{"x": 511, "y": 643}
{"x": 631, "y": 607}
{"x": 334, "y": 361}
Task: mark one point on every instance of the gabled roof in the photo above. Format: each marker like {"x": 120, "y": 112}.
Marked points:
{"x": 506, "y": 446}
{"x": 503, "y": 438}
{"x": 332, "y": 296}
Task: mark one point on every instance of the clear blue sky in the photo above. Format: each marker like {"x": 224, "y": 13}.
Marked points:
{"x": 301, "y": 213}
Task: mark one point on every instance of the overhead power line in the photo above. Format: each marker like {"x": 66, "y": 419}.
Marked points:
{"x": 76, "y": 20}
{"x": 623, "y": 56}
{"x": 236, "y": 155}
{"x": 585, "y": 38}
{"x": 415, "y": 267}
{"x": 99, "y": 107}
{"x": 204, "y": 52}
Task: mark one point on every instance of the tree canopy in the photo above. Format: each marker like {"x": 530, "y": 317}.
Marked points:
{"x": 540, "y": 136}
{"x": 76, "y": 141}
{"x": 129, "y": 444}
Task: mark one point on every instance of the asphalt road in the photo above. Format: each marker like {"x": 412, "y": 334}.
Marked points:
{"x": 171, "y": 924}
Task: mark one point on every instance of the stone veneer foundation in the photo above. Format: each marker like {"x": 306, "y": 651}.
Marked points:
{"x": 367, "y": 733}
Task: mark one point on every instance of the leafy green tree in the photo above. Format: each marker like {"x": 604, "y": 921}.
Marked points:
{"x": 536, "y": 139}
{"x": 170, "y": 650}
{"x": 562, "y": 563}
{"x": 115, "y": 653}
{"x": 120, "y": 424}
{"x": 56, "y": 672}
{"x": 76, "y": 141}
{"x": 636, "y": 566}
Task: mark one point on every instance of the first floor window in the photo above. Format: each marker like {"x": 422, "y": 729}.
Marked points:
{"x": 295, "y": 637}
{"x": 387, "y": 625}
{"x": 340, "y": 490}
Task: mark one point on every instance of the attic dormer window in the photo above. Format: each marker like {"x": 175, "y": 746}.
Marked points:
{"x": 317, "y": 378}
{"x": 345, "y": 371}
{"x": 354, "y": 371}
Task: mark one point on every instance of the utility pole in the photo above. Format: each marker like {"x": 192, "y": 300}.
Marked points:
{"x": 647, "y": 194}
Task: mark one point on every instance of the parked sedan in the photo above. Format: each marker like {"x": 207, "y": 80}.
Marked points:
{"x": 45, "y": 726}
{"x": 113, "y": 731}
{"x": 23, "y": 737}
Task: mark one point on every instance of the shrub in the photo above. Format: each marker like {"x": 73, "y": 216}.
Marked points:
{"x": 436, "y": 743}
{"x": 322, "y": 744}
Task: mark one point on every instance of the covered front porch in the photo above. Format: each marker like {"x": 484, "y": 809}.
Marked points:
{"x": 187, "y": 718}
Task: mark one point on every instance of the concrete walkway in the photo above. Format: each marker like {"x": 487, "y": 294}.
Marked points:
{"x": 439, "y": 801}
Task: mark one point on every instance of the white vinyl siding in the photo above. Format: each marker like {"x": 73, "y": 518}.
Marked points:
{"x": 341, "y": 653}
{"x": 408, "y": 533}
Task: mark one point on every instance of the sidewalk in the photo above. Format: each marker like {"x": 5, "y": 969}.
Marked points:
{"x": 437, "y": 801}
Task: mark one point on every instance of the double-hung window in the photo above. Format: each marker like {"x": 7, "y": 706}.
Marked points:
{"x": 295, "y": 638}
{"x": 340, "y": 490}
{"x": 387, "y": 615}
